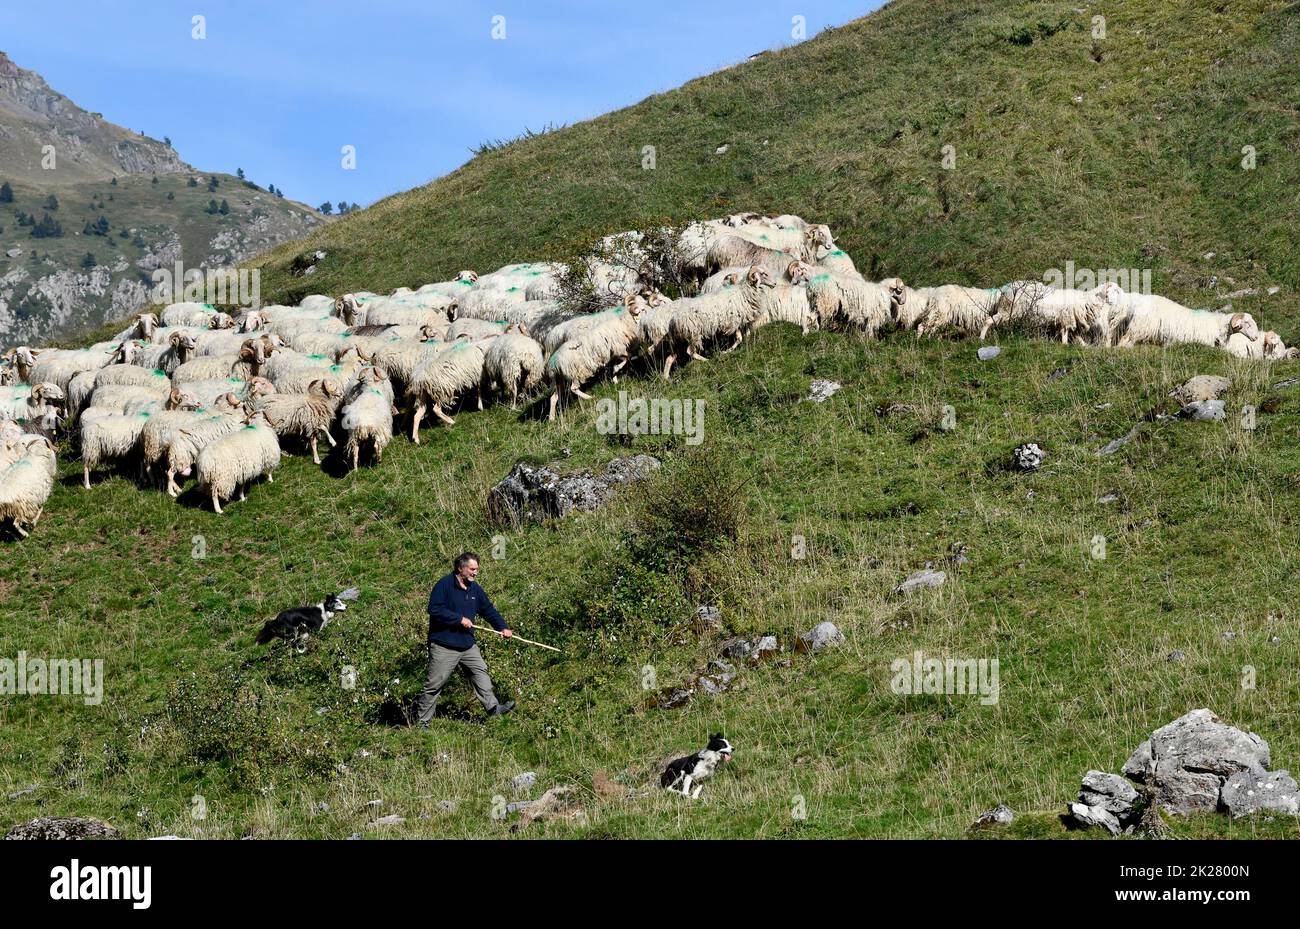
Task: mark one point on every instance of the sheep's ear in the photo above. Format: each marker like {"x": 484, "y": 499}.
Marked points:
{"x": 175, "y": 339}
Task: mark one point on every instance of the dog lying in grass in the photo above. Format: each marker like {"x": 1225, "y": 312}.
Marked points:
{"x": 684, "y": 773}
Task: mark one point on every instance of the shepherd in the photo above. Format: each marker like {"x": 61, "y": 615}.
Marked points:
{"x": 453, "y": 604}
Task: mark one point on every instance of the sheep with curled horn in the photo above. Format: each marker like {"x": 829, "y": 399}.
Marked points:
{"x": 255, "y": 352}
{"x": 347, "y": 308}
{"x": 306, "y": 416}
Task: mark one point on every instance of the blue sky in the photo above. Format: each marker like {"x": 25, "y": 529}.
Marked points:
{"x": 278, "y": 89}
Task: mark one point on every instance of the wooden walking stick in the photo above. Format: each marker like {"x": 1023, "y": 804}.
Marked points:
{"x": 518, "y": 638}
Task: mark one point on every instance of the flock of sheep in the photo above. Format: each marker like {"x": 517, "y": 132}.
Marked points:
{"x": 193, "y": 391}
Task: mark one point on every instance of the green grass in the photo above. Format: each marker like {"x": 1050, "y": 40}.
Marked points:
{"x": 1144, "y": 172}
{"x": 1199, "y": 544}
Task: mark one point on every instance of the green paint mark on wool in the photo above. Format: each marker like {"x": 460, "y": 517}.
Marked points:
{"x": 209, "y": 306}
{"x": 335, "y": 368}
{"x": 159, "y": 372}
{"x": 317, "y": 357}
{"x": 511, "y": 290}
{"x": 466, "y": 283}
{"x": 839, "y": 253}
{"x": 822, "y": 277}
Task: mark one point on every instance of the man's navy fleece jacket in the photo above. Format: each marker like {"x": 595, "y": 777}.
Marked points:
{"x": 448, "y": 603}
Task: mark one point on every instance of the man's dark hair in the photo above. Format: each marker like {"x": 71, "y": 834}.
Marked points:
{"x": 463, "y": 559}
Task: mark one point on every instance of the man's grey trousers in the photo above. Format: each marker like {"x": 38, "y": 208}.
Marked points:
{"x": 442, "y": 661}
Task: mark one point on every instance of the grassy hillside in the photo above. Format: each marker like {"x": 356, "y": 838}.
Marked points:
{"x": 1199, "y": 544}
{"x": 1115, "y": 152}
{"x": 1199, "y": 538}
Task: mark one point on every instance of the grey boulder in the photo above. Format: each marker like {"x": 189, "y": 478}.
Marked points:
{"x": 1204, "y": 411}
{"x": 1246, "y": 792}
{"x": 1187, "y": 761}
{"x": 926, "y": 578}
{"x": 821, "y": 391}
{"x": 820, "y": 636}
{"x": 1083, "y": 816}
{"x": 1000, "y": 815}
{"x": 1200, "y": 388}
{"x": 1112, "y": 793}
{"x": 534, "y": 493}
{"x": 48, "y": 828}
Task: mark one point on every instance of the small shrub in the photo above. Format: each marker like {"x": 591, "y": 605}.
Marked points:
{"x": 219, "y": 717}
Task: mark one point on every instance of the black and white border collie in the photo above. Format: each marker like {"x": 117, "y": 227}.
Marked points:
{"x": 296, "y": 624}
{"x": 681, "y": 774}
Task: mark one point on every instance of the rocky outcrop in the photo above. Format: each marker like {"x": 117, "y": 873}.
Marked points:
{"x": 1187, "y": 762}
{"x": 533, "y": 493}
{"x": 49, "y": 828}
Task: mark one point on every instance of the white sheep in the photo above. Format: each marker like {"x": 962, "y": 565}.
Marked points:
{"x": 161, "y": 429}
{"x": 60, "y": 366}
{"x": 513, "y": 361}
{"x": 849, "y": 301}
{"x": 1150, "y": 319}
{"x": 400, "y": 358}
{"x": 698, "y": 320}
{"x": 733, "y": 250}
{"x": 454, "y": 371}
{"x": 208, "y": 392}
{"x": 953, "y": 306}
{"x": 188, "y": 442}
{"x": 1054, "y": 312}
{"x": 475, "y": 328}
{"x": 305, "y": 416}
{"x": 367, "y": 416}
{"x": 25, "y": 486}
{"x": 113, "y": 433}
{"x": 142, "y": 328}
{"x": 39, "y": 407}
{"x": 187, "y": 314}
{"x": 238, "y": 458}
{"x": 109, "y": 436}
{"x": 606, "y": 344}
{"x": 296, "y": 372}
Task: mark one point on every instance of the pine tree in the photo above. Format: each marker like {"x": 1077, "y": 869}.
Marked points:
{"x": 193, "y": 183}
{"x": 47, "y": 228}
{"x": 113, "y": 182}
{"x": 327, "y": 208}
{"x": 51, "y": 203}
{"x": 212, "y": 207}
{"x": 89, "y": 261}
{"x": 224, "y": 208}
{"x": 171, "y": 195}
{"x": 6, "y": 193}
{"x": 239, "y": 173}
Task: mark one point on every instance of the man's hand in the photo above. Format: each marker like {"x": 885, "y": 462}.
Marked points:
{"x": 506, "y": 633}
{"x": 467, "y": 622}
